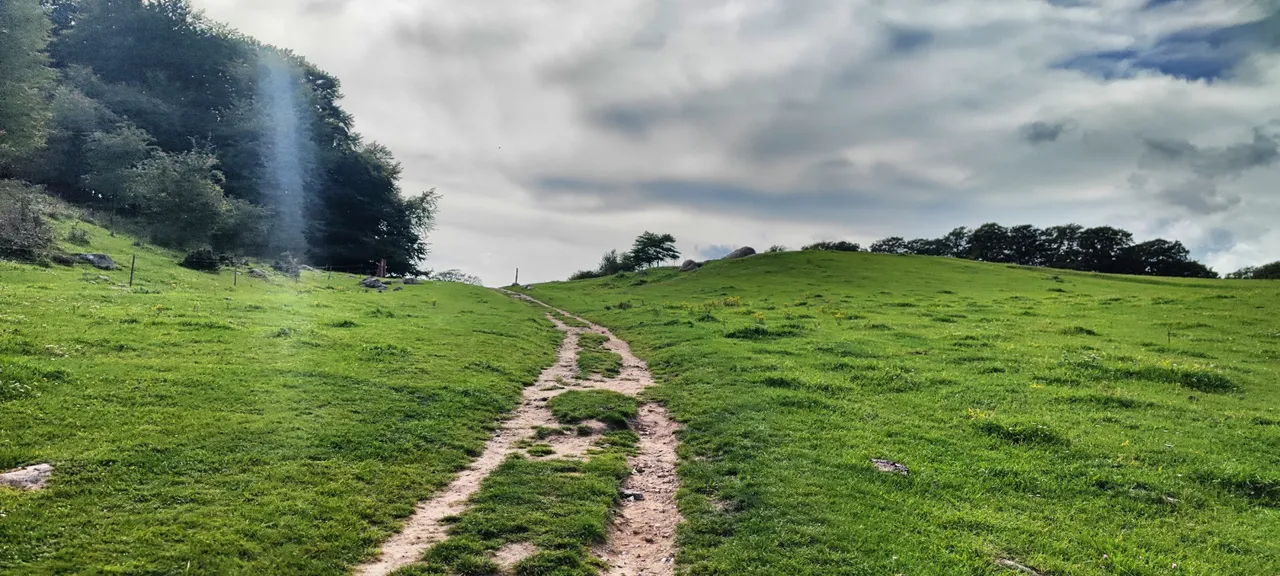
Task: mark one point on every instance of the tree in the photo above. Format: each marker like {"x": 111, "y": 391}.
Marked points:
{"x": 1025, "y": 247}
{"x": 837, "y": 246}
{"x": 956, "y": 242}
{"x": 989, "y": 243}
{"x": 1265, "y": 272}
{"x": 111, "y": 158}
{"x": 1060, "y": 248}
{"x": 25, "y": 78}
{"x": 1102, "y": 249}
{"x": 652, "y": 249}
{"x": 180, "y": 196}
{"x": 891, "y": 245}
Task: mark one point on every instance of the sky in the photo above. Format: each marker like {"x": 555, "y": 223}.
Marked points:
{"x": 558, "y": 129}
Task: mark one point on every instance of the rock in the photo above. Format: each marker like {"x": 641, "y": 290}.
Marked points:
{"x": 632, "y": 495}
{"x": 259, "y": 274}
{"x": 889, "y": 466}
{"x": 306, "y": 268}
{"x": 64, "y": 259}
{"x": 689, "y": 266}
{"x": 99, "y": 261}
{"x": 397, "y": 288}
{"x": 742, "y": 252}
{"x": 1014, "y": 565}
{"x": 104, "y": 279}
{"x": 374, "y": 283}
{"x": 29, "y": 478}
{"x": 412, "y": 281}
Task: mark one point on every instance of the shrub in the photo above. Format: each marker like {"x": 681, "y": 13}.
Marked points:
{"x": 78, "y": 235}
{"x": 24, "y": 234}
{"x": 202, "y": 259}
{"x": 837, "y": 246}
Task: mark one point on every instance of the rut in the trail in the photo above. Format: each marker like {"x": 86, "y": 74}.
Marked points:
{"x": 641, "y": 538}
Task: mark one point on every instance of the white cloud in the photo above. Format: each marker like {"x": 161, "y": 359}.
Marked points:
{"x": 730, "y": 122}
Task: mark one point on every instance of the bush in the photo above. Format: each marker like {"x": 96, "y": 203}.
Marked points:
{"x": 202, "y": 259}
{"x": 837, "y": 246}
{"x": 24, "y": 234}
{"x": 78, "y": 235}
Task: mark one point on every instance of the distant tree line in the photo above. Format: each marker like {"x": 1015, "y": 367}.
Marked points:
{"x": 1069, "y": 247}
{"x": 147, "y": 112}
{"x": 1265, "y": 272}
{"x": 648, "y": 250}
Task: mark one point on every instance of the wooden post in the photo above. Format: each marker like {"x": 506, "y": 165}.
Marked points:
{"x": 235, "y": 280}
{"x": 517, "y": 277}
{"x": 132, "y": 263}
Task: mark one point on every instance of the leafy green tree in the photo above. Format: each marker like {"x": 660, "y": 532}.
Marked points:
{"x": 111, "y": 157}
{"x": 836, "y": 246}
{"x": 25, "y": 78}
{"x": 1025, "y": 247}
{"x": 989, "y": 243}
{"x": 180, "y": 196}
{"x": 652, "y": 249}
{"x": 891, "y": 245}
{"x": 1265, "y": 272}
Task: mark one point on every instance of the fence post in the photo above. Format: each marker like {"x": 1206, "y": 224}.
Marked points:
{"x": 132, "y": 264}
{"x": 517, "y": 277}
{"x": 235, "y": 280}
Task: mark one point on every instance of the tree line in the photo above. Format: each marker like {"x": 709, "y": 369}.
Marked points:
{"x": 147, "y": 112}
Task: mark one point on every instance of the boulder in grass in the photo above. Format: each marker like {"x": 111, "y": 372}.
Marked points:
{"x": 29, "y": 478}
{"x": 689, "y": 266}
{"x": 259, "y": 274}
{"x": 742, "y": 252}
{"x": 373, "y": 283}
{"x": 99, "y": 261}
{"x": 411, "y": 281}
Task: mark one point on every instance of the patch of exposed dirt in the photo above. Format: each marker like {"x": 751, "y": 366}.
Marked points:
{"x": 642, "y": 535}
{"x": 508, "y": 556}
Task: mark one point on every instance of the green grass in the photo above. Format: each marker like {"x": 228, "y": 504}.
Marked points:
{"x": 571, "y": 321}
{"x": 265, "y": 428}
{"x": 594, "y": 358}
{"x": 560, "y": 506}
{"x": 605, "y": 406}
{"x": 1075, "y": 423}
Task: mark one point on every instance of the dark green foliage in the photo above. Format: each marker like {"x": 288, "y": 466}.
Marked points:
{"x": 163, "y": 117}
{"x": 24, "y": 79}
{"x": 202, "y": 259}
{"x": 652, "y": 249}
{"x": 24, "y": 233}
{"x": 1073, "y": 247}
{"x": 606, "y": 406}
{"x": 837, "y": 246}
{"x": 1265, "y": 272}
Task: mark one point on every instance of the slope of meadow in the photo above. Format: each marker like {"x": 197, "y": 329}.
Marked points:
{"x": 266, "y": 428}
{"x": 1066, "y": 423}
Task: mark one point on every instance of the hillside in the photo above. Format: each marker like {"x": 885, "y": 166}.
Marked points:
{"x": 1068, "y": 423}
{"x": 204, "y": 424}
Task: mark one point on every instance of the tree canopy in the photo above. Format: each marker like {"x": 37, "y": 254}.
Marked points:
{"x": 1072, "y": 247}
{"x": 146, "y": 110}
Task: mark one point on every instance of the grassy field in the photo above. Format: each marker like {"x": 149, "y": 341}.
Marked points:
{"x": 1069, "y": 423}
{"x": 265, "y": 428}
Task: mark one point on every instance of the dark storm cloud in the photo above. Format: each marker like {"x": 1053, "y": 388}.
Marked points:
{"x": 1200, "y": 196}
{"x": 904, "y": 40}
{"x": 1042, "y": 132}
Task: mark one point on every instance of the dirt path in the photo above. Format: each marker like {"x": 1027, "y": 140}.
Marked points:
{"x": 641, "y": 538}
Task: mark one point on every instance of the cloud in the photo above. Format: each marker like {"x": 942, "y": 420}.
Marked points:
{"x": 558, "y": 130}
{"x": 1042, "y": 132}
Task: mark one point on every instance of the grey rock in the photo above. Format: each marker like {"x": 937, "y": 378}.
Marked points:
{"x": 374, "y": 283}
{"x": 412, "y": 281}
{"x": 29, "y": 478}
{"x": 397, "y": 288}
{"x": 742, "y": 252}
{"x": 890, "y": 467}
{"x": 689, "y": 266}
{"x": 632, "y": 495}
{"x": 99, "y": 261}
{"x": 259, "y": 274}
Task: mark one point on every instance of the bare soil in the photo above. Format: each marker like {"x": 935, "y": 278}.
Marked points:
{"x": 641, "y": 537}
